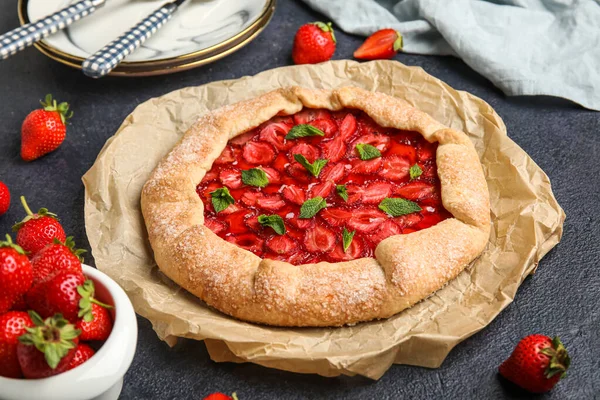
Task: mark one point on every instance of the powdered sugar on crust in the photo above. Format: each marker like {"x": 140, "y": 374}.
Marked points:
{"x": 407, "y": 268}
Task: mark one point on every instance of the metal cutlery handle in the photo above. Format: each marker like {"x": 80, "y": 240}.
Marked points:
{"x": 24, "y": 36}
{"x": 108, "y": 57}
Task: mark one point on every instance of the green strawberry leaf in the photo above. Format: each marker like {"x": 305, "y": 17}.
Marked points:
{"x": 342, "y": 192}
{"x": 397, "y": 206}
{"x": 303, "y": 130}
{"x": 326, "y": 27}
{"x": 221, "y": 199}
{"x": 367, "y": 152}
{"x": 347, "y": 238}
{"x": 314, "y": 168}
{"x": 398, "y": 43}
{"x": 273, "y": 221}
{"x": 311, "y": 207}
{"x": 86, "y": 291}
{"x": 415, "y": 172}
{"x": 255, "y": 177}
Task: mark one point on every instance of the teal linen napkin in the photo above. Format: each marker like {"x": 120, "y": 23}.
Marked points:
{"x": 525, "y": 47}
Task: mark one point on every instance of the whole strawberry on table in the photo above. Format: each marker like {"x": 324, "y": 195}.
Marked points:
{"x": 64, "y": 323}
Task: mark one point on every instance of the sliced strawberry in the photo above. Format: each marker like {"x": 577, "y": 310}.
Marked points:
{"x": 355, "y": 192}
{"x": 243, "y": 138}
{"x": 383, "y": 44}
{"x": 366, "y": 167}
{"x": 408, "y": 220}
{"x": 415, "y": 191}
{"x": 348, "y": 127}
{"x": 271, "y": 203}
{"x": 334, "y": 172}
{"x": 354, "y": 250}
{"x": 381, "y": 142}
{"x": 252, "y": 222}
{"x": 258, "y": 153}
{"x": 293, "y": 194}
{"x": 300, "y": 222}
{"x": 231, "y": 178}
{"x": 405, "y": 151}
{"x": 280, "y": 163}
{"x": 210, "y": 176}
{"x": 294, "y": 258}
{"x": 274, "y": 133}
{"x": 236, "y": 222}
{"x": 215, "y": 225}
{"x": 319, "y": 239}
{"x": 367, "y": 126}
{"x": 272, "y": 174}
{"x": 247, "y": 241}
{"x": 395, "y": 168}
{"x": 388, "y": 228}
{"x": 228, "y": 155}
{"x": 427, "y": 151}
{"x": 428, "y": 220}
{"x": 334, "y": 150}
{"x": 375, "y": 192}
{"x": 335, "y": 216}
{"x": 281, "y": 244}
{"x": 366, "y": 220}
{"x": 326, "y": 125}
{"x": 323, "y": 189}
{"x": 310, "y": 152}
{"x": 233, "y": 208}
{"x": 298, "y": 172}
{"x": 310, "y": 114}
{"x": 250, "y": 198}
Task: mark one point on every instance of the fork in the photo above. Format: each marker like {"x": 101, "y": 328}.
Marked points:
{"x": 26, "y": 35}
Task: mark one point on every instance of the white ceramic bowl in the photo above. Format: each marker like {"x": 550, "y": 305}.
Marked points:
{"x": 99, "y": 378}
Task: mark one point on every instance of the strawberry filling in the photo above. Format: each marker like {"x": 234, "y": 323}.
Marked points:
{"x": 353, "y": 186}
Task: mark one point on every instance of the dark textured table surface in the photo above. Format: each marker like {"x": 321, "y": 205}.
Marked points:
{"x": 562, "y": 298}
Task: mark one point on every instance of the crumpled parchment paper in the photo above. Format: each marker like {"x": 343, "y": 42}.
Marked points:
{"x": 527, "y": 223}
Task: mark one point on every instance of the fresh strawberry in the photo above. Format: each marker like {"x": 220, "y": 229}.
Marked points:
{"x": 335, "y": 216}
{"x": 57, "y": 294}
{"x": 215, "y": 225}
{"x": 309, "y": 151}
{"x": 16, "y": 274}
{"x": 228, "y": 155}
{"x": 319, "y": 239}
{"x": 36, "y": 231}
{"x": 271, "y": 203}
{"x": 334, "y": 150}
{"x": 294, "y": 194}
{"x": 383, "y": 44}
{"x": 47, "y": 348}
{"x": 366, "y": 167}
{"x": 395, "y": 168}
{"x": 415, "y": 191}
{"x": 366, "y": 220}
{"x": 388, "y": 228}
{"x": 83, "y": 352}
{"x": 248, "y": 241}
{"x": 281, "y": 244}
{"x": 4, "y": 198}
{"x": 537, "y": 363}
{"x": 322, "y": 189}
{"x": 334, "y": 172}
{"x": 99, "y": 325}
{"x": 54, "y": 257}
{"x": 231, "y": 178}
{"x": 220, "y": 396}
{"x": 12, "y": 325}
{"x": 314, "y": 43}
{"x": 348, "y": 127}
{"x": 258, "y": 153}
{"x": 44, "y": 129}
{"x": 19, "y": 304}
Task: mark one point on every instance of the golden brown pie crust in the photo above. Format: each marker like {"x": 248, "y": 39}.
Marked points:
{"x": 406, "y": 268}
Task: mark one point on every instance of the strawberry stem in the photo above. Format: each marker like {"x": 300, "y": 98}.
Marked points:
{"x": 26, "y": 207}
{"x": 9, "y": 243}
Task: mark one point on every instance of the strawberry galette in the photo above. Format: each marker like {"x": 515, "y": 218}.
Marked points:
{"x": 317, "y": 208}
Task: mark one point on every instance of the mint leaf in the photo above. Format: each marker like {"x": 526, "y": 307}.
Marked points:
{"x": 397, "y": 207}
{"x": 255, "y": 177}
{"x": 367, "y": 152}
{"x": 221, "y": 199}
{"x": 347, "y": 238}
{"x": 415, "y": 172}
{"x": 342, "y": 192}
{"x": 314, "y": 168}
{"x": 311, "y": 207}
{"x": 273, "y": 221}
{"x": 303, "y": 130}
